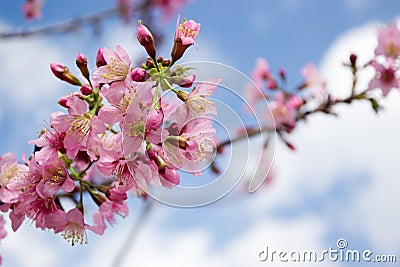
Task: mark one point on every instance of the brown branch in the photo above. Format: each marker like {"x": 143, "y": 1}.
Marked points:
{"x": 142, "y": 9}
{"x": 324, "y": 107}
{"x": 67, "y": 26}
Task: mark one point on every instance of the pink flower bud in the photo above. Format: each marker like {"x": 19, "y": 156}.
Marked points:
{"x": 152, "y": 154}
{"x": 271, "y": 84}
{"x": 171, "y": 177}
{"x": 116, "y": 195}
{"x": 81, "y": 62}
{"x": 282, "y": 73}
{"x": 86, "y": 89}
{"x": 100, "y": 61}
{"x": 154, "y": 119}
{"x": 146, "y": 39}
{"x": 63, "y": 73}
{"x": 187, "y": 81}
{"x": 353, "y": 59}
{"x": 63, "y": 101}
{"x": 295, "y": 102}
{"x": 139, "y": 75}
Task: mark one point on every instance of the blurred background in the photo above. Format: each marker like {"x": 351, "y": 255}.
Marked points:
{"x": 341, "y": 182}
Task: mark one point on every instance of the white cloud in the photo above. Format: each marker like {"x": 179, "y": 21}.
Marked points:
{"x": 358, "y": 5}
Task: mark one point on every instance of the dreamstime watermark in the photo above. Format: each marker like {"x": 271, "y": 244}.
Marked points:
{"x": 338, "y": 254}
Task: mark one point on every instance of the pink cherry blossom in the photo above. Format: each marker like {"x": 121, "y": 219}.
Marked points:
{"x": 262, "y": 73}
{"x": 185, "y": 35}
{"x": 314, "y": 81}
{"x": 385, "y": 78}
{"x": 9, "y": 174}
{"x": 81, "y": 128}
{"x": 71, "y": 224}
{"x": 50, "y": 143}
{"x": 54, "y": 176}
{"x": 197, "y": 101}
{"x": 389, "y": 41}
{"x": 32, "y": 9}
{"x": 117, "y": 68}
{"x": 190, "y": 143}
{"x": 187, "y": 31}
{"x": 283, "y": 112}
{"x": 107, "y": 212}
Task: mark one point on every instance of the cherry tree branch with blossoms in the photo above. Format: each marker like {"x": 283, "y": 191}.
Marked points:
{"x": 122, "y": 133}
{"x": 127, "y": 10}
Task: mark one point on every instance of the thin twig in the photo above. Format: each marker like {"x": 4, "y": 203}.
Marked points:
{"x": 64, "y": 26}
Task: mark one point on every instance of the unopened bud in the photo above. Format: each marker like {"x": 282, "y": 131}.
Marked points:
{"x": 139, "y": 75}
{"x": 171, "y": 177}
{"x": 353, "y": 60}
{"x": 154, "y": 119}
{"x": 282, "y": 73}
{"x": 86, "y": 89}
{"x": 166, "y": 62}
{"x": 63, "y": 101}
{"x": 81, "y": 62}
{"x": 187, "y": 81}
{"x": 100, "y": 61}
{"x": 63, "y": 73}
{"x": 272, "y": 84}
{"x": 146, "y": 39}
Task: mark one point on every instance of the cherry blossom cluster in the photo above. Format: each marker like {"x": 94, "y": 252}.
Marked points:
{"x": 289, "y": 106}
{"x": 120, "y": 135}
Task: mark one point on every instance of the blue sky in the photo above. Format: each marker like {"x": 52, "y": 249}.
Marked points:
{"x": 340, "y": 183}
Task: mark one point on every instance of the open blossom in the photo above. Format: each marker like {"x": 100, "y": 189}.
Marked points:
{"x": 314, "y": 81}
{"x": 71, "y": 224}
{"x": 81, "y": 128}
{"x": 10, "y": 171}
{"x": 107, "y": 212}
{"x": 262, "y": 73}
{"x": 389, "y": 41}
{"x": 284, "y": 111}
{"x": 117, "y": 68}
{"x": 54, "y": 177}
{"x": 185, "y": 34}
{"x": 385, "y": 78}
{"x": 197, "y": 101}
{"x": 32, "y": 9}
{"x": 190, "y": 143}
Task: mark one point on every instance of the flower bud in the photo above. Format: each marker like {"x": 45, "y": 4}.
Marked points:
{"x": 86, "y": 89}
{"x": 282, "y": 73}
{"x": 353, "y": 59}
{"x": 139, "y": 75}
{"x": 154, "y": 119}
{"x": 100, "y": 61}
{"x": 171, "y": 177}
{"x": 63, "y": 101}
{"x": 146, "y": 39}
{"x": 116, "y": 195}
{"x": 81, "y": 62}
{"x": 63, "y": 73}
{"x": 152, "y": 154}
